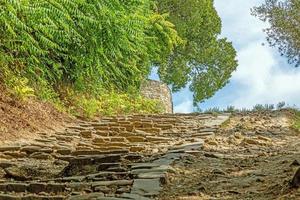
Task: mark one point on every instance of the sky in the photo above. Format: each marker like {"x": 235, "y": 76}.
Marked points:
{"x": 262, "y": 76}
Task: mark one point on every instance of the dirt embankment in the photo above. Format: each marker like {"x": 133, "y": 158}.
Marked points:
{"x": 21, "y": 120}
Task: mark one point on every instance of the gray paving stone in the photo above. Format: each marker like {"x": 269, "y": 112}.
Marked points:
{"x": 161, "y": 169}
{"x": 134, "y": 196}
{"x": 146, "y": 187}
{"x": 110, "y": 183}
{"x": 110, "y": 198}
{"x": 93, "y": 196}
{"x": 144, "y": 165}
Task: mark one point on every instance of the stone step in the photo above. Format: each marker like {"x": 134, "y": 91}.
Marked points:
{"x": 9, "y": 148}
{"x": 30, "y": 197}
{"x": 112, "y": 158}
{"x": 146, "y": 187}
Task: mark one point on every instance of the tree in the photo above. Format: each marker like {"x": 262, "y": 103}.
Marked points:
{"x": 86, "y": 43}
{"x": 284, "y": 31}
{"x": 205, "y": 61}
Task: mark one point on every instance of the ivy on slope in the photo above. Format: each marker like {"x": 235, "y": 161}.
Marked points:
{"x": 86, "y": 43}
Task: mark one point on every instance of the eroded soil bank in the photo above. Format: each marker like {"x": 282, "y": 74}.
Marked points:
{"x": 253, "y": 156}
{"x": 21, "y": 120}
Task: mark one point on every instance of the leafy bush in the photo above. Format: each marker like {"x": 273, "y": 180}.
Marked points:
{"x": 17, "y": 86}
{"x": 280, "y": 105}
{"x": 230, "y": 109}
{"x": 213, "y": 110}
{"x": 20, "y": 89}
{"x": 245, "y": 110}
{"x": 266, "y": 107}
{"x": 107, "y": 43}
{"x": 109, "y": 103}
{"x": 258, "y": 107}
{"x": 96, "y": 46}
{"x": 269, "y": 107}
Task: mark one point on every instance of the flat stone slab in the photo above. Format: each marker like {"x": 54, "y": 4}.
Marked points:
{"x": 134, "y": 196}
{"x": 111, "y": 198}
{"x": 162, "y": 169}
{"x": 110, "y": 183}
{"x": 146, "y": 187}
{"x": 29, "y": 197}
{"x": 144, "y": 165}
{"x": 93, "y": 196}
{"x": 9, "y": 148}
{"x": 31, "y": 149}
{"x": 152, "y": 175}
{"x": 190, "y": 146}
{"x": 168, "y": 159}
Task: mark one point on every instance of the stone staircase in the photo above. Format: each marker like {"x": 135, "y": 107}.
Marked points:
{"x": 113, "y": 158}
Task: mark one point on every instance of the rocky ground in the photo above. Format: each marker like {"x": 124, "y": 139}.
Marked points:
{"x": 113, "y": 158}
{"x": 142, "y": 157}
{"x": 253, "y": 156}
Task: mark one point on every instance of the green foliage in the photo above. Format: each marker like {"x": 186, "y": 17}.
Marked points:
{"x": 266, "y": 107}
{"x": 91, "y": 47}
{"x": 230, "y": 109}
{"x": 284, "y": 31}
{"x": 102, "y": 49}
{"x": 245, "y": 110}
{"x": 205, "y": 61}
{"x": 256, "y": 108}
{"x": 112, "y": 103}
{"x": 280, "y": 105}
{"x": 213, "y": 110}
{"x": 17, "y": 85}
{"x": 110, "y": 43}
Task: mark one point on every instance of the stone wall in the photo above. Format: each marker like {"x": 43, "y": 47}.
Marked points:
{"x": 157, "y": 90}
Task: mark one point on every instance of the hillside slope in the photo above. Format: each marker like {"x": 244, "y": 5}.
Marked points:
{"x": 23, "y": 119}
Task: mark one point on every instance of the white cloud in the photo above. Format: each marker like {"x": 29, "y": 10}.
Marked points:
{"x": 263, "y": 80}
{"x": 185, "y": 106}
{"x": 262, "y": 75}
{"x": 238, "y": 23}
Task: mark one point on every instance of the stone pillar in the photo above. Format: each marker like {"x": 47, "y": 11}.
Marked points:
{"x": 160, "y": 91}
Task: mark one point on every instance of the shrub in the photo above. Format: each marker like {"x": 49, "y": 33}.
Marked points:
{"x": 107, "y": 43}
{"x": 213, "y": 110}
{"x": 108, "y": 103}
{"x": 230, "y": 109}
{"x": 258, "y": 107}
{"x": 280, "y": 105}
{"x": 17, "y": 85}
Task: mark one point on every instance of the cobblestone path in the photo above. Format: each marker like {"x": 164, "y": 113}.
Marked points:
{"x": 113, "y": 158}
